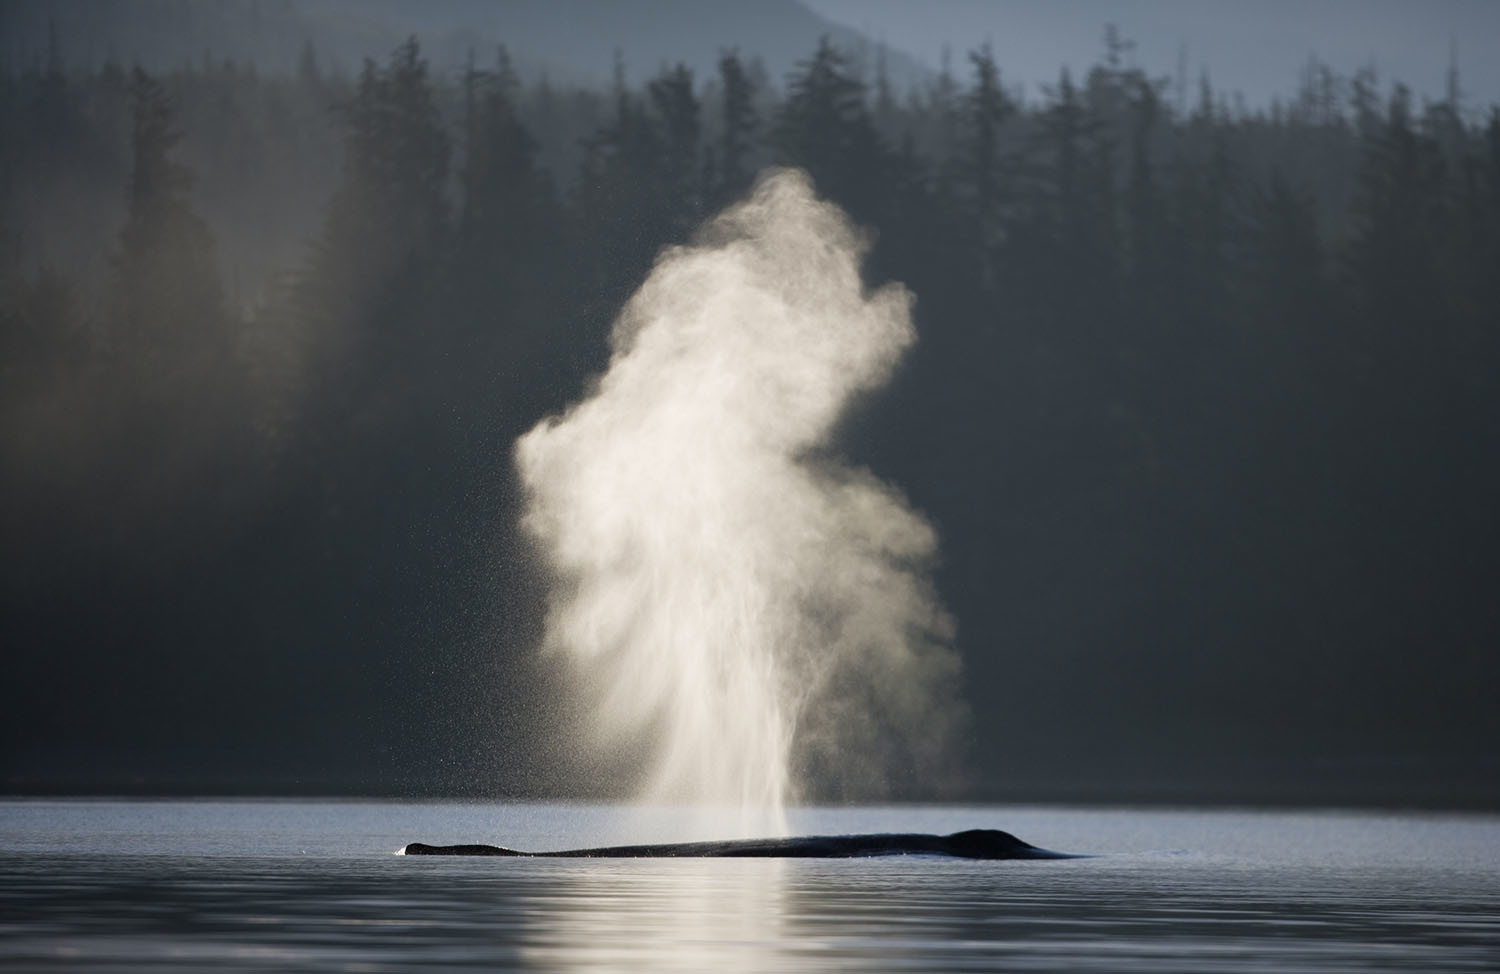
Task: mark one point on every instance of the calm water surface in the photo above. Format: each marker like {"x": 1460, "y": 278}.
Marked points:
{"x": 263, "y": 885}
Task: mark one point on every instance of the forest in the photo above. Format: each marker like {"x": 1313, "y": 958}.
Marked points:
{"x": 1205, "y": 407}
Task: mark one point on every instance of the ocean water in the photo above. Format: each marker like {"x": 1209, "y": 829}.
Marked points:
{"x": 313, "y": 885}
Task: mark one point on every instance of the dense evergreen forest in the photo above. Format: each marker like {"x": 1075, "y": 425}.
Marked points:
{"x": 1205, "y": 406}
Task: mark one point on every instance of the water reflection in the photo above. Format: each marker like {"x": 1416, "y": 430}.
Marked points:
{"x": 662, "y": 915}
{"x": 257, "y": 887}
{"x": 925, "y": 914}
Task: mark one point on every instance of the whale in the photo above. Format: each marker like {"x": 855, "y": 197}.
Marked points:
{"x": 970, "y": 844}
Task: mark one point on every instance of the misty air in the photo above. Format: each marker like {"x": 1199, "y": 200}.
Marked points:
{"x": 802, "y": 484}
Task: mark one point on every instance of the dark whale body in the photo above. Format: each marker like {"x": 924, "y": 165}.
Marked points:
{"x": 973, "y": 844}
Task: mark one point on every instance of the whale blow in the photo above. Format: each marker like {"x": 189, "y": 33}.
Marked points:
{"x": 745, "y": 616}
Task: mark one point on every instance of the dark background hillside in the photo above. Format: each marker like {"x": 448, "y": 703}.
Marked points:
{"x": 572, "y": 42}
{"x": 1204, "y": 404}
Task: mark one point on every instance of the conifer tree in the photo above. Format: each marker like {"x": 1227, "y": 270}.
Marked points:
{"x": 1396, "y": 256}
{"x": 386, "y": 223}
{"x": 510, "y": 263}
{"x": 640, "y": 187}
{"x": 505, "y": 197}
{"x": 983, "y": 170}
{"x": 169, "y": 299}
{"x": 824, "y": 126}
{"x": 616, "y": 203}
{"x": 737, "y": 137}
{"x": 676, "y": 111}
{"x": 1075, "y": 203}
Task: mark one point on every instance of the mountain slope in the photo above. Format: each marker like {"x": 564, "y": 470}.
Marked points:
{"x": 571, "y": 41}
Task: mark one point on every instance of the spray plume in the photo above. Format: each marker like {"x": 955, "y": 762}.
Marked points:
{"x": 743, "y": 613}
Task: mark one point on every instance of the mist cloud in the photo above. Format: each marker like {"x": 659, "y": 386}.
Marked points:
{"x": 747, "y": 617}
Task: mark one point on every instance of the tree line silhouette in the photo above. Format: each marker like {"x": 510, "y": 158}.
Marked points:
{"x": 1204, "y": 406}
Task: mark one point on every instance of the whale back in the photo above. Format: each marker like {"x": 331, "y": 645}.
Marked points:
{"x": 970, "y": 844}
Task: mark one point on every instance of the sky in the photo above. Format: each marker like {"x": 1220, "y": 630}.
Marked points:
{"x": 1256, "y": 48}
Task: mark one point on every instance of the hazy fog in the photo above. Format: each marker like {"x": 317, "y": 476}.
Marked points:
{"x": 1136, "y": 442}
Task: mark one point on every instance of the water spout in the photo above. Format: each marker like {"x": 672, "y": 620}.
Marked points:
{"x": 737, "y": 604}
